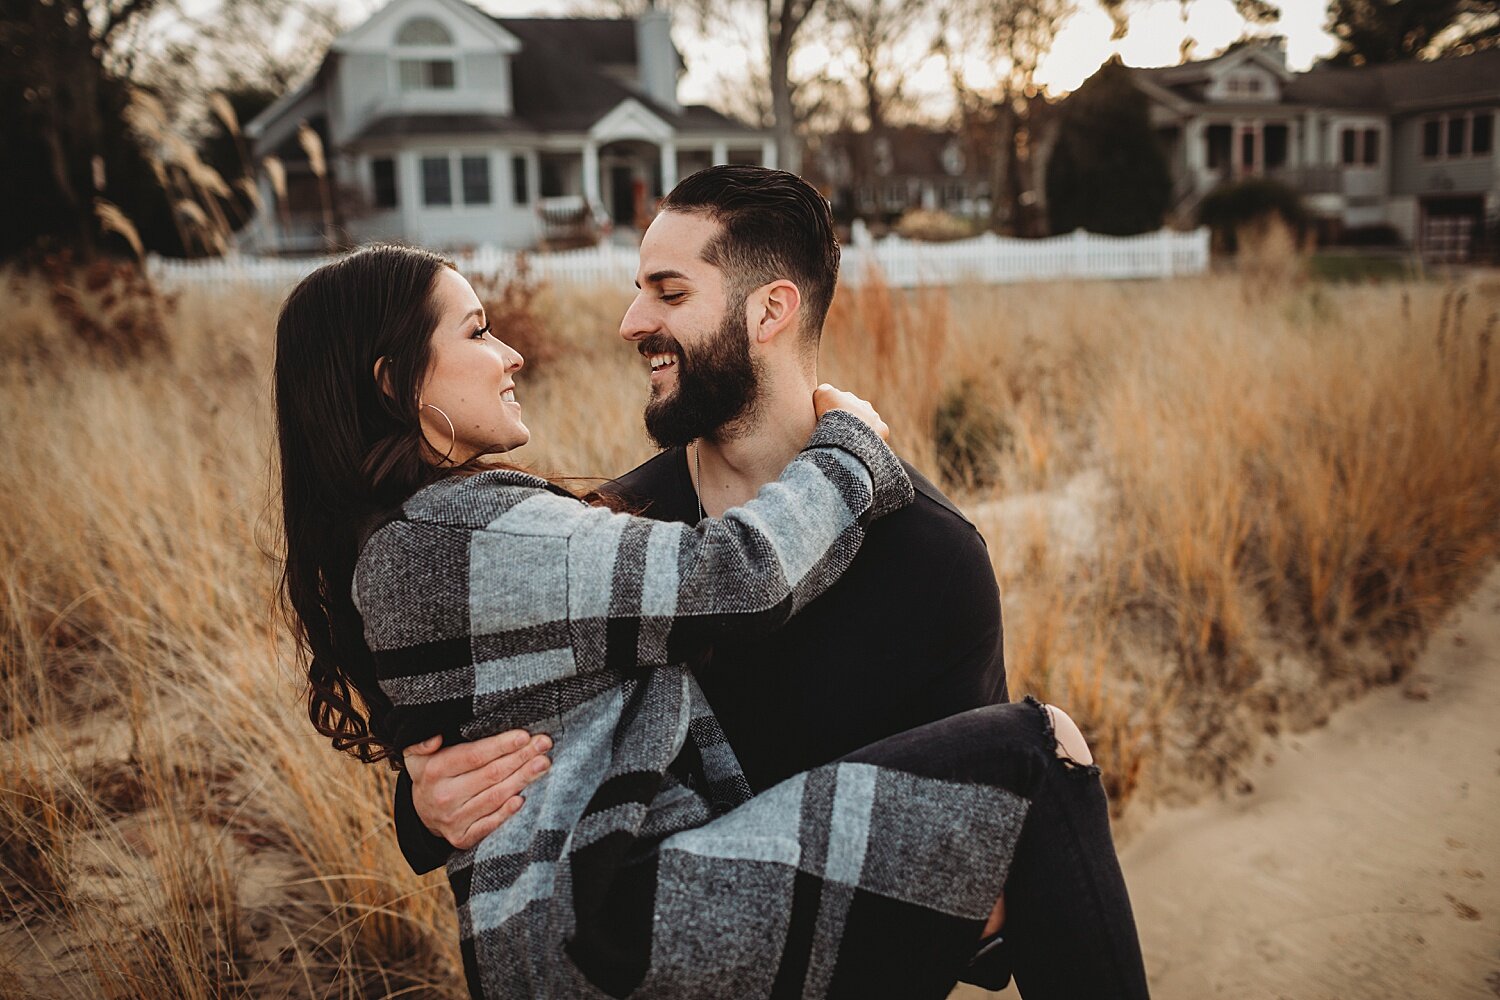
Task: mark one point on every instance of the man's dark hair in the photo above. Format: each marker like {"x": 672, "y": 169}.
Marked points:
{"x": 776, "y": 226}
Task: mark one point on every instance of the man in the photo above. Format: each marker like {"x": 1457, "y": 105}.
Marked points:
{"x": 736, "y": 276}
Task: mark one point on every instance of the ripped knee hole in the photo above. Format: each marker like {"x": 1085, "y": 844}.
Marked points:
{"x": 1071, "y": 746}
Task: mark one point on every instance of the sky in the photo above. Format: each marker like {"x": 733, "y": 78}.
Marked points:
{"x": 1156, "y": 30}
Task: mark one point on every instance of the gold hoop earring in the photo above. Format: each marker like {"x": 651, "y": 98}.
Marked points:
{"x": 452, "y": 434}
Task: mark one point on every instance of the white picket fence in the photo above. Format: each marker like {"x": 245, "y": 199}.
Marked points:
{"x": 986, "y": 259}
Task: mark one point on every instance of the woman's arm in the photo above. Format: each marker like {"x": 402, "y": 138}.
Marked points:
{"x": 481, "y": 618}
{"x": 667, "y": 590}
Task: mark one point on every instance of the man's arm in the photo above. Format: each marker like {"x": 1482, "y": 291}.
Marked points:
{"x": 975, "y": 647}
{"x": 424, "y": 850}
{"x": 966, "y": 613}
{"x": 452, "y": 797}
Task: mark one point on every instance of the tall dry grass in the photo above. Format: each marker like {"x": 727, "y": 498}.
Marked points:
{"x": 169, "y": 829}
{"x": 1213, "y": 505}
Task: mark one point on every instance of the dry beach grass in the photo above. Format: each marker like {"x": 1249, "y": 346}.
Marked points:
{"x": 1216, "y": 506}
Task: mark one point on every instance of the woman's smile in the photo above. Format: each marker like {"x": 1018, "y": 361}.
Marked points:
{"x": 467, "y": 354}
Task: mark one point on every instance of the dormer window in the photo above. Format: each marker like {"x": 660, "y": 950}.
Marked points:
{"x": 1248, "y": 84}
{"x": 422, "y": 35}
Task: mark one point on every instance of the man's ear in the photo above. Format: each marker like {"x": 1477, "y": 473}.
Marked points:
{"x": 776, "y": 308}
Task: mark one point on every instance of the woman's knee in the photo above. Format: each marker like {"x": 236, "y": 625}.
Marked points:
{"x": 1070, "y": 742}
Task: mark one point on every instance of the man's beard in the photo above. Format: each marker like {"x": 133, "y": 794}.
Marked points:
{"x": 717, "y": 385}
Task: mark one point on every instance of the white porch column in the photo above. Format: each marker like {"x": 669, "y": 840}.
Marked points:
{"x": 721, "y": 152}
{"x": 668, "y": 166}
{"x": 1194, "y": 146}
{"x": 591, "y": 173}
{"x": 267, "y": 228}
{"x": 768, "y": 153}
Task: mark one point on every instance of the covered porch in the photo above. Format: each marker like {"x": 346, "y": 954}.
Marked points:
{"x": 631, "y": 158}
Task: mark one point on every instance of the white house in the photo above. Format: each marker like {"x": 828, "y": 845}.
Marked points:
{"x": 1408, "y": 145}
{"x": 447, "y": 127}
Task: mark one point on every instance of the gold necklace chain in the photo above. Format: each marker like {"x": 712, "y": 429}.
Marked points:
{"x": 698, "y": 487}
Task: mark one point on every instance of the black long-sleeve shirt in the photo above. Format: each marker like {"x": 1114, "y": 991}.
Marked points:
{"x": 910, "y": 634}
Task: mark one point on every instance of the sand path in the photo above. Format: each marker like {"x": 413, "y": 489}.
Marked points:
{"x": 1365, "y": 863}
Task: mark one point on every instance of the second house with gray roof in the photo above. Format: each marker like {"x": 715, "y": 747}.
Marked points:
{"x": 1408, "y": 147}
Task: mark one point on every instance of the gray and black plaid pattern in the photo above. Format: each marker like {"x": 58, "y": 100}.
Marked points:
{"x": 496, "y": 601}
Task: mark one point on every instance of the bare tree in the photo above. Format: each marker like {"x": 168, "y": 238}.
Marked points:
{"x": 1392, "y": 30}
{"x": 1012, "y": 36}
{"x": 783, "y": 21}
{"x": 236, "y": 47}
{"x": 873, "y": 30}
{"x": 743, "y": 89}
{"x": 857, "y": 112}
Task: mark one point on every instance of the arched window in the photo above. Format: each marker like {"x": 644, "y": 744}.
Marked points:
{"x": 423, "y": 72}
{"x": 423, "y": 31}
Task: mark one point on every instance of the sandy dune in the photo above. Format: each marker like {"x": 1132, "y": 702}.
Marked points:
{"x": 1365, "y": 862}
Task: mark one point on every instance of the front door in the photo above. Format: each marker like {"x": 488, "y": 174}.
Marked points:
{"x": 622, "y": 195}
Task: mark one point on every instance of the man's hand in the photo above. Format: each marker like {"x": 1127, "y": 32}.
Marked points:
{"x": 826, "y": 397}
{"x": 463, "y": 793}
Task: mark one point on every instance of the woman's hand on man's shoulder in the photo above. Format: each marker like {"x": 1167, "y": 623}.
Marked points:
{"x": 827, "y": 397}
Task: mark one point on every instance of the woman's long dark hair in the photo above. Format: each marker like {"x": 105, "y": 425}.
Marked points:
{"x": 351, "y": 448}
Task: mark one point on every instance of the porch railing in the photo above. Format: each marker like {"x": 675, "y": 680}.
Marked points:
{"x": 1310, "y": 180}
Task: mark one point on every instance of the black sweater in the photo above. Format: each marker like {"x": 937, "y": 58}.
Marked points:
{"x": 910, "y": 634}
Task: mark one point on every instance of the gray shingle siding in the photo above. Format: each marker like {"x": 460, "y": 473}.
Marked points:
{"x": 1414, "y": 174}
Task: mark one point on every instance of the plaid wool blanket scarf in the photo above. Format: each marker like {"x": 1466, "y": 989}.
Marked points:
{"x": 497, "y": 601}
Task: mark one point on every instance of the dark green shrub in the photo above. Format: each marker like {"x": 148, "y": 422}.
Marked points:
{"x": 1240, "y": 203}
{"x": 970, "y": 435}
{"x": 1108, "y": 173}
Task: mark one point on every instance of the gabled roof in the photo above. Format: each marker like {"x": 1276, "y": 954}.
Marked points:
{"x": 603, "y": 41}
{"x": 481, "y": 34}
{"x": 702, "y": 118}
{"x": 255, "y": 126}
{"x": 1399, "y": 86}
{"x": 1338, "y": 88}
{"x": 1192, "y": 77}
{"x": 390, "y": 126}
{"x": 558, "y": 85}
{"x": 1473, "y": 78}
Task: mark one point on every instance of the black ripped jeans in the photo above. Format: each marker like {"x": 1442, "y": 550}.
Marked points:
{"x": 1069, "y": 933}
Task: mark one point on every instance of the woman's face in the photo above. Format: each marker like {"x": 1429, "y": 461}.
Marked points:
{"x": 470, "y": 378}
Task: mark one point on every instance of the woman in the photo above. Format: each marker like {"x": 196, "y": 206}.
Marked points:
{"x": 438, "y": 593}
